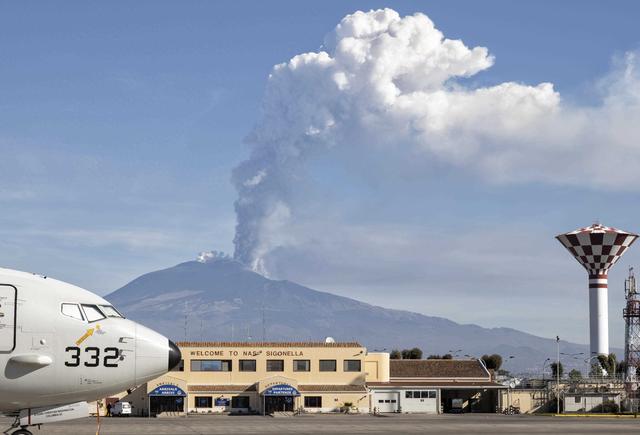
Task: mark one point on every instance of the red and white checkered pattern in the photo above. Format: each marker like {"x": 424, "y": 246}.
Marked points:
{"x": 597, "y": 247}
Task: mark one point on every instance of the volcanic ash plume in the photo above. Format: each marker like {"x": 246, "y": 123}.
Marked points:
{"x": 381, "y": 76}
{"x": 388, "y": 83}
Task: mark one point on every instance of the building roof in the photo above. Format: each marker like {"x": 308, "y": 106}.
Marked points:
{"x": 332, "y": 388}
{"x": 303, "y": 388}
{"x": 221, "y": 388}
{"x": 436, "y": 384}
{"x": 436, "y": 368}
{"x": 266, "y": 344}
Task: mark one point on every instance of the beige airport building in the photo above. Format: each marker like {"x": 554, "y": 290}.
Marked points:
{"x": 294, "y": 377}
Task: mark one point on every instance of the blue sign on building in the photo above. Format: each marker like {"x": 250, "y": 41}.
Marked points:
{"x": 281, "y": 390}
{"x": 168, "y": 390}
{"x": 221, "y": 401}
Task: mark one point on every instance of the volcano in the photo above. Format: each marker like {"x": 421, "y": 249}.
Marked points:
{"x": 223, "y": 300}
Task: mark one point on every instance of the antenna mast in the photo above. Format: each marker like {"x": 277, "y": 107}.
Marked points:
{"x": 631, "y": 314}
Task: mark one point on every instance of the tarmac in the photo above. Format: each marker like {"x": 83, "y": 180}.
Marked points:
{"x": 343, "y": 424}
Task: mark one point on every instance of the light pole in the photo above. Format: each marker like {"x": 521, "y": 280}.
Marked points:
{"x": 454, "y": 353}
{"x": 544, "y": 364}
{"x": 572, "y": 355}
{"x": 558, "y": 375}
{"x": 587, "y": 361}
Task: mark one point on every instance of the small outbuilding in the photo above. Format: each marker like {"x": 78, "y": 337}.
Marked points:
{"x": 434, "y": 386}
{"x": 591, "y": 402}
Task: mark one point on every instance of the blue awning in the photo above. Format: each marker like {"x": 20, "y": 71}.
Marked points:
{"x": 281, "y": 390}
{"x": 168, "y": 390}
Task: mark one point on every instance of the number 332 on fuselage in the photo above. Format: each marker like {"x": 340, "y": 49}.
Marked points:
{"x": 61, "y": 344}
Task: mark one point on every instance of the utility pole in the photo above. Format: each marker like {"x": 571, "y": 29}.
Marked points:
{"x": 558, "y": 375}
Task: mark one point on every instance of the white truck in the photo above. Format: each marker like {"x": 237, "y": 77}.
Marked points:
{"x": 121, "y": 409}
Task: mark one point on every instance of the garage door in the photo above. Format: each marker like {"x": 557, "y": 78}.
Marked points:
{"x": 386, "y": 401}
{"x": 420, "y": 401}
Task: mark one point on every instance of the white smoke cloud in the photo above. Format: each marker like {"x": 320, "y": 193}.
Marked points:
{"x": 389, "y": 82}
{"x": 211, "y": 256}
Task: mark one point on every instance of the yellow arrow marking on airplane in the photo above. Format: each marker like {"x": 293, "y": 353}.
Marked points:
{"x": 86, "y": 335}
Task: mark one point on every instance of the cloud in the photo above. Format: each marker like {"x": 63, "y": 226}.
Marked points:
{"x": 390, "y": 84}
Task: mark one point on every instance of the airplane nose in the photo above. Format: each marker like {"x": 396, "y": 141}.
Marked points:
{"x": 175, "y": 356}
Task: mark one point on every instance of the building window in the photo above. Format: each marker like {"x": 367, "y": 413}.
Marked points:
{"x": 352, "y": 365}
{"x": 301, "y": 365}
{"x": 578, "y": 399}
{"x": 327, "y": 365}
{"x": 240, "y": 402}
{"x": 203, "y": 402}
{"x": 179, "y": 367}
{"x": 408, "y": 394}
{"x": 313, "y": 402}
{"x": 433, "y": 394}
{"x": 247, "y": 365}
{"x": 275, "y": 365}
{"x": 211, "y": 365}
{"x": 424, "y": 394}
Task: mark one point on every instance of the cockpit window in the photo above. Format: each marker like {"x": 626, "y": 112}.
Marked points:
{"x": 93, "y": 313}
{"x": 110, "y": 311}
{"x": 72, "y": 310}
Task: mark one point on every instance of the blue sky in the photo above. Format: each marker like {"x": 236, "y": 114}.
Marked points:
{"x": 120, "y": 124}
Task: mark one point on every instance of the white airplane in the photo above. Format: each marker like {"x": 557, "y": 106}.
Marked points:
{"x": 62, "y": 346}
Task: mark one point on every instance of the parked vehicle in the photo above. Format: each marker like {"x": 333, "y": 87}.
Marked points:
{"x": 121, "y": 409}
{"x": 457, "y": 405}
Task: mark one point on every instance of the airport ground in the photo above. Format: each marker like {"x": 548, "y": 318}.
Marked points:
{"x": 346, "y": 424}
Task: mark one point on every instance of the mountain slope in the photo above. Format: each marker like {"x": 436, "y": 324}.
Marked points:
{"x": 223, "y": 300}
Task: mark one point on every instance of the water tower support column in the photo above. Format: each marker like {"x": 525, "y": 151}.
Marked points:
{"x": 598, "y": 315}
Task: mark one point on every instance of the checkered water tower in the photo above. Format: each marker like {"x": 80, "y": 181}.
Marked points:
{"x": 597, "y": 248}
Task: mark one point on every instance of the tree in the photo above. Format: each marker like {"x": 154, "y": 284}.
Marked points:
{"x": 445, "y": 356}
{"x": 395, "y": 354}
{"x": 608, "y": 363}
{"x": 555, "y": 367}
{"x": 414, "y": 353}
{"x": 622, "y": 368}
{"x": 492, "y": 362}
{"x": 575, "y": 374}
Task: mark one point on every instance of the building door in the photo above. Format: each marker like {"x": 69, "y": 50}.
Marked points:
{"x": 8, "y": 300}
{"x": 386, "y": 401}
{"x": 278, "y": 404}
{"x": 160, "y": 404}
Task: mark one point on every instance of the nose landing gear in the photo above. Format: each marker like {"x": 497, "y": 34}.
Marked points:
{"x": 22, "y": 431}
